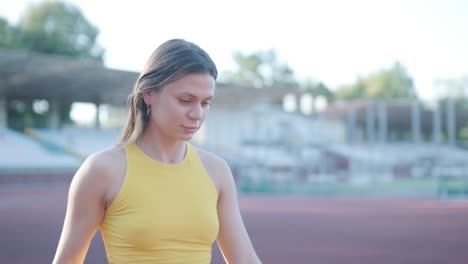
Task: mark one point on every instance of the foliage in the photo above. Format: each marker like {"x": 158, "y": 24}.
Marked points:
{"x": 318, "y": 89}
{"x": 386, "y": 84}
{"x": 261, "y": 69}
{"x": 9, "y": 36}
{"x": 53, "y": 27}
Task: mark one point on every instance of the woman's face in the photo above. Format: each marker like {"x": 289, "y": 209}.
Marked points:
{"x": 180, "y": 107}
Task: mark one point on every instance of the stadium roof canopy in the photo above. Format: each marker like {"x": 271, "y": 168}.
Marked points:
{"x": 28, "y": 75}
{"x": 398, "y": 114}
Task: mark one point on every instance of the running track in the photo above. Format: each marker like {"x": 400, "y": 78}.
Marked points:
{"x": 290, "y": 230}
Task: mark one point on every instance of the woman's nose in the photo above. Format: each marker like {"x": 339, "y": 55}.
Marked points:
{"x": 196, "y": 112}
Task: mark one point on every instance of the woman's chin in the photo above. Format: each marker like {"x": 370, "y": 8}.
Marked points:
{"x": 186, "y": 137}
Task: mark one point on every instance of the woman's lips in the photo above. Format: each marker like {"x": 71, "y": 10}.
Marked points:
{"x": 190, "y": 129}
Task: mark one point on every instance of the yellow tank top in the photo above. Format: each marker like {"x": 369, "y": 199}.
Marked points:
{"x": 163, "y": 213}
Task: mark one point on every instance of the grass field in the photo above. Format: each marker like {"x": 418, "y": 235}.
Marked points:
{"x": 452, "y": 187}
{"x": 427, "y": 187}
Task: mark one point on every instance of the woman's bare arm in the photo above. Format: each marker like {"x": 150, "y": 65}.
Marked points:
{"x": 85, "y": 209}
{"x": 233, "y": 239}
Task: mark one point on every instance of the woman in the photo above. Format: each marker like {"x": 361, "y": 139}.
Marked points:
{"x": 155, "y": 197}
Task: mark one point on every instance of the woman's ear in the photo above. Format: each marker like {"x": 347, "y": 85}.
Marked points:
{"x": 147, "y": 96}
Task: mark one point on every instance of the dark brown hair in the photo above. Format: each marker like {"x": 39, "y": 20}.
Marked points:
{"x": 171, "y": 61}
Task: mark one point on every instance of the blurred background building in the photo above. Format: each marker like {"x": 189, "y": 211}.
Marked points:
{"x": 59, "y": 103}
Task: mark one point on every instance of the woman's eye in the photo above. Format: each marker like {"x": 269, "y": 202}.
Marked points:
{"x": 185, "y": 100}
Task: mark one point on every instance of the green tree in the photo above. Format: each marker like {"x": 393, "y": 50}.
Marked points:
{"x": 10, "y": 36}
{"x": 261, "y": 69}
{"x": 248, "y": 70}
{"x": 318, "y": 89}
{"x": 386, "y": 84}
{"x": 53, "y": 27}
{"x": 355, "y": 91}
{"x": 275, "y": 73}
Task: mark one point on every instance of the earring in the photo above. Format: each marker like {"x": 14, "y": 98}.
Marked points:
{"x": 148, "y": 108}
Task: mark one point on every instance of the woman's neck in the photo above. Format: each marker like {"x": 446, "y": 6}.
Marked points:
{"x": 160, "y": 148}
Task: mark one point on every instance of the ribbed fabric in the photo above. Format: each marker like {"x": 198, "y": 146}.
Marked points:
{"x": 163, "y": 213}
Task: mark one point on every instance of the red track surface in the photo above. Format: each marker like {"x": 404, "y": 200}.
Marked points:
{"x": 290, "y": 230}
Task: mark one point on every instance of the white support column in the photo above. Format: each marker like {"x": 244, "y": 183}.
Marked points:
{"x": 436, "y": 125}
{"x": 53, "y": 121}
{"x": 383, "y": 122}
{"x": 370, "y": 122}
{"x": 451, "y": 126}
{"x": 416, "y": 121}
{"x": 352, "y": 124}
{"x": 3, "y": 112}
{"x": 97, "y": 121}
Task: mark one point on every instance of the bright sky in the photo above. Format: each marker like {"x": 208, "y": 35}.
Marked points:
{"x": 333, "y": 41}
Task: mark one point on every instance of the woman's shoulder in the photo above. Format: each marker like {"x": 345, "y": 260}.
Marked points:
{"x": 106, "y": 159}
{"x": 102, "y": 166}
{"x": 100, "y": 172}
{"x": 216, "y": 167}
{"x": 210, "y": 159}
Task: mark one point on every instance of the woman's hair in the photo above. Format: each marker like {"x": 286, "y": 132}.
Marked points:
{"x": 171, "y": 61}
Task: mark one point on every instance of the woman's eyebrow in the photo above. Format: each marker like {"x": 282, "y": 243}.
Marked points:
{"x": 193, "y": 95}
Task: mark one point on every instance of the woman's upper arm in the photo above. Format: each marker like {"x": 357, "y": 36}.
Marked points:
{"x": 85, "y": 210}
{"x": 233, "y": 239}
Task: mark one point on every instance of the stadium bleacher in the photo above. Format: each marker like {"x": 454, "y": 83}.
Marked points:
{"x": 80, "y": 142}
{"x": 47, "y": 155}
{"x": 19, "y": 152}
